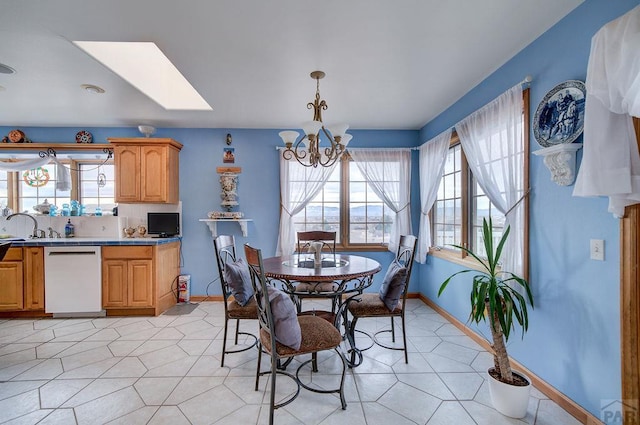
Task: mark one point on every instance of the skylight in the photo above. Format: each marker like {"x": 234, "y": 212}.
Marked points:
{"x": 143, "y": 65}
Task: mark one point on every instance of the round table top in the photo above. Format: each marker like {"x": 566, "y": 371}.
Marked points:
{"x": 348, "y": 267}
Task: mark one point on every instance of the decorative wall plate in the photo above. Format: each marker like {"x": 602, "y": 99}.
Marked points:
{"x": 16, "y": 136}
{"x": 560, "y": 115}
{"x": 84, "y": 137}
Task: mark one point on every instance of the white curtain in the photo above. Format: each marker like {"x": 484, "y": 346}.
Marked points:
{"x": 23, "y": 165}
{"x": 611, "y": 162}
{"x": 63, "y": 175}
{"x": 493, "y": 142}
{"x": 388, "y": 173}
{"x": 433, "y": 156}
{"x": 298, "y": 186}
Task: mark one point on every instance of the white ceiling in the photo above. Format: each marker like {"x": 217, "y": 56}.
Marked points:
{"x": 389, "y": 64}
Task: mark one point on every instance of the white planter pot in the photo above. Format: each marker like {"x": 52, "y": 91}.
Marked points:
{"x": 510, "y": 400}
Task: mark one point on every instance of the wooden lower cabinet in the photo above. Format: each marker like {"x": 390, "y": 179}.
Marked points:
{"x": 22, "y": 280}
{"x": 12, "y": 286}
{"x": 33, "y": 267}
{"x": 139, "y": 279}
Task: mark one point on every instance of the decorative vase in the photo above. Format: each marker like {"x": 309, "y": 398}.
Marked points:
{"x": 510, "y": 400}
{"x": 129, "y": 231}
{"x": 228, "y": 184}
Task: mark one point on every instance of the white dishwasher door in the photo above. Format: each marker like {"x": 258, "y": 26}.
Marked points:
{"x": 73, "y": 280}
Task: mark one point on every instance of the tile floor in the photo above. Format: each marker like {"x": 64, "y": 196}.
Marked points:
{"x": 166, "y": 370}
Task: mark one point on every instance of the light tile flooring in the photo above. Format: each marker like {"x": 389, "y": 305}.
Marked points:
{"x": 166, "y": 370}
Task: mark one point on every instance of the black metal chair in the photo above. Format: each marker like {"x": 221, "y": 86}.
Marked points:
{"x": 316, "y": 334}
{"x": 306, "y": 238}
{"x": 305, "y": 241}
{"x": 225, "y": 249}
{"x": 368, "y": 305}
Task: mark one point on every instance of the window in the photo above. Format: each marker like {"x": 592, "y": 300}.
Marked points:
{"x": 481, "y": 208}
{"x": 461, "y": 205}
{"x": 323, "y": 211}
{"x": 39, "y": 184}
{"x": 4, "y": 188}
{"x": 97, "y": 185}
{"x": 369, "y": 218}
{"x": 92, "y": 186}
{"x": 447, "y": 213}
{"x": 348, "y": 205}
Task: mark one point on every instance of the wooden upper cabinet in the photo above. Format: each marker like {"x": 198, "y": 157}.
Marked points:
{"x": 146, "y": 170}
{"x": 127, "y": 173}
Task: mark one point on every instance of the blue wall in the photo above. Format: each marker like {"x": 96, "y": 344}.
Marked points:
{"x": 573, "y": 341}
{"x": 258, "y": 187}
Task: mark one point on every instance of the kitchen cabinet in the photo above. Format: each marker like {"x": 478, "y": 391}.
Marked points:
{"x": 22, "y": 279}
{"x": 146, "y": 170}
{"x": 139, "y": 279}
{"x": 33, "y": 267}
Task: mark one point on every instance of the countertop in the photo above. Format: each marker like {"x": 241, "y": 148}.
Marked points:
{"x": 89, "y": 241}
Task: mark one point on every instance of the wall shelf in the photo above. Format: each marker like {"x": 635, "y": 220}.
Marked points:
{"x": 561, "y": 162}
{"x": 213, "y": 224}
{"x": 58, "y": 147}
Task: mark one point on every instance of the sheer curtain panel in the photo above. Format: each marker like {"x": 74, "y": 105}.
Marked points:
{"x": 433, "y": 156}
{"x": 388, "y": 173}
{"x": 492, "y": 139}
{"x": 298, "y": 186}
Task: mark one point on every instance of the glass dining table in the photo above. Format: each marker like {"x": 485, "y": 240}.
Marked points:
{"x": 337, "y": 277}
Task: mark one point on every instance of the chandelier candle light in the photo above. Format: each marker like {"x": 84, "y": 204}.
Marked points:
{"x": 309, "y": 144}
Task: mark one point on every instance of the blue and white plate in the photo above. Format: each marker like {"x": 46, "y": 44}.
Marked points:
{"x": 560, "y": 115}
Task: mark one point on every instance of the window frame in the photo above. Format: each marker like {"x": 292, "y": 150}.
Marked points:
{"x": 14, "y": 180}
{"x": 460, "y": 257}
{"x": 344, "y": 244}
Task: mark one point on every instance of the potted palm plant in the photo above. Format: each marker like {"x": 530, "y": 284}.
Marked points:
{"x": 498, "y": 295}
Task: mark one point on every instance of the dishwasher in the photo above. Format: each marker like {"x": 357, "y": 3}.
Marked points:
{"x": 73, "y": 281}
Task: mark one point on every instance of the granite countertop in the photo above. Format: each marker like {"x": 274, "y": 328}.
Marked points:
{"x": 17, "y": 242}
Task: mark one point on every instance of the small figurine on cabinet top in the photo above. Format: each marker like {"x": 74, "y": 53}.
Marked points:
{"x": 16, "y": 136}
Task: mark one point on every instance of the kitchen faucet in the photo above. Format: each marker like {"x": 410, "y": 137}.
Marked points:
{"x": 37, "y": 233}
{"x": 53, "y": 233}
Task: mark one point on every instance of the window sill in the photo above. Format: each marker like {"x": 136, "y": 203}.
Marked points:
{"x": 456, "y": 257}
{"x": 362, "y": 248}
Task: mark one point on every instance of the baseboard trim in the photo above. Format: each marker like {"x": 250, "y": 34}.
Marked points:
{"x": 563, "y": 401}
{"x": 200, "y": 298}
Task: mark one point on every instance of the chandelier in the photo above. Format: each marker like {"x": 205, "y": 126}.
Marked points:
{"x": 307, "y": 151}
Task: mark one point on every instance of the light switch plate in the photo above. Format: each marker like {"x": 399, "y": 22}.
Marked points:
{"x": 597, "y": 249}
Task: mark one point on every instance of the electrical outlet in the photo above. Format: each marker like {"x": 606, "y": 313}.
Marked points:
{"x": 597, "y": 249}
